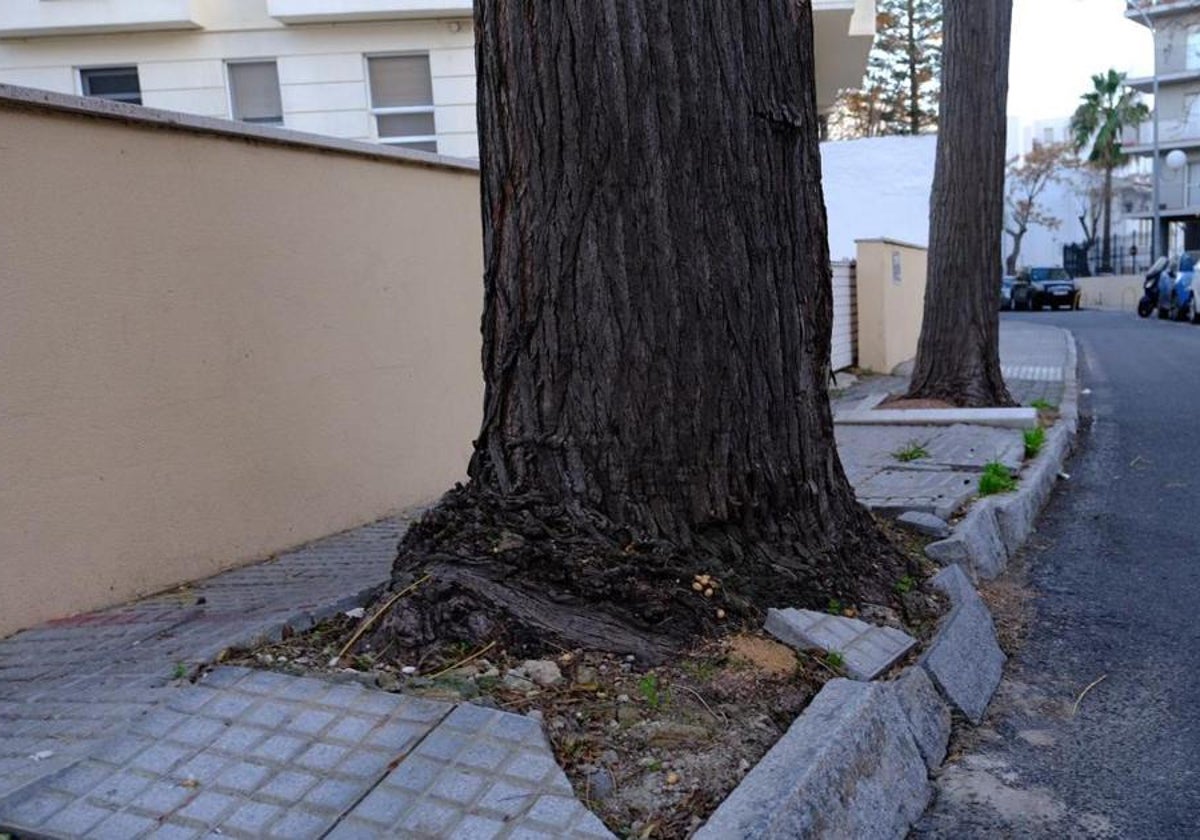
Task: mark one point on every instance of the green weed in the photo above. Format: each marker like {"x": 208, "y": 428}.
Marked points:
{"x": 649, "y": 689}
{"x": 996, "y": 479}
{"x": 180, "y": 671}
{"x": 835, "y": 660}
{"x": 1043, "y": 405}
{"x": 834, "y": 607}
{"x": 912, "y": 451}
{"x": 1035, "y": 439}
{"x": 905, "y": 584}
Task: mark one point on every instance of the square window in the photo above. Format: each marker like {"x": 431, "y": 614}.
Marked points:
{"x": 254, "y": 92}
{"x": 401, "y": 88}
{"x": 118, "y": 84}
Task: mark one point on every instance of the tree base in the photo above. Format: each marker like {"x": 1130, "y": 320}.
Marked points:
{"x": 535, "y": 576}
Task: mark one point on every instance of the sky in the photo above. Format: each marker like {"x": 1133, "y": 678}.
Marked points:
{"x": 1057, "y": 45}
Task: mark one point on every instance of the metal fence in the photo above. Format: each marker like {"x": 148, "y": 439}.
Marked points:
{"x": 1129, "y": 253}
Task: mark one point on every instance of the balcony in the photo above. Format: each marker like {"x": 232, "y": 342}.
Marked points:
{"x": 1161, "y": 9}
{"x": 39, "y": 18}
{"x": 843, "y": 33}
{"x": 327, "y": 11}
{"x": 1172, "y": 134}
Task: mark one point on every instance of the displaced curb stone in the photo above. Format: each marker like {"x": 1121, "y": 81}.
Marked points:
{"x": 928, "y": 716}
{"x": 996, "y": 527}
{"x": 866, "y": 650}
{"x": 925, "y": 523}
{"x": 848, "y": 767}
{"x": 976, "y": 543}
{"x": 965, "y": 660}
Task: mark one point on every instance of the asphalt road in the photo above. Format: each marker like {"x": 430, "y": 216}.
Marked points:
{"x": 1115, "y": 574}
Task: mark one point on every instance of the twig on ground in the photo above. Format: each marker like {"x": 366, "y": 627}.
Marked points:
{"x": 1082, "y": 694}
{"x": 366, "y": 625}
{"x": 703, "y": 703}
{"x": 464, "y": 660}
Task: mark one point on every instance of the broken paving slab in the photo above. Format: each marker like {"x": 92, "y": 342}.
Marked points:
{"x": 938, "y": 491}
{"x": 866, "y": 650}
{"x": 965, "y": 660}
{"x": 963, "y": 447}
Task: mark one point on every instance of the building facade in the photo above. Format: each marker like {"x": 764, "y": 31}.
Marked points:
{"x": 1176, "y": 28}
{"x": 400, "y": 72}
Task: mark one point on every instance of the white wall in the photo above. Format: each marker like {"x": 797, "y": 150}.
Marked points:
{"x": 877, "y": 188}
{"x": 322, "y": 68}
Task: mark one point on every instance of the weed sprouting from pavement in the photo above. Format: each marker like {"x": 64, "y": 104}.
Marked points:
{"x": 911, "y": 451}
{"x": 996, "y": 479}
{"x": 1035, "y": 439}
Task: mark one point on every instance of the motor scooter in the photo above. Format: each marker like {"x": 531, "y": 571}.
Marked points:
{"x": 1152, "y": 286}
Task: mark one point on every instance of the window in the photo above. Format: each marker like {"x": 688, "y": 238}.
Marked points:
{"x": 1192, "y": 53}
{"x": 120, "y": 84}
{"x": 1191, "y": 197}
{"x": 1048, "y": 134}
{"x": 254, "y": 92}
{"x": 402, "y": 101}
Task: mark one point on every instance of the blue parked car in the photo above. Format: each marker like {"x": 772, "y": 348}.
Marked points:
{"x": 1176, "y": 298}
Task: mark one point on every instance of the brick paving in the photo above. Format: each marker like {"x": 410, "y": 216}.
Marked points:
{"x": 99, "y": 738}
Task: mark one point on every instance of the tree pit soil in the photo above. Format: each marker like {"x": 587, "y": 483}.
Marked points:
{"x": 651, "y": 750}
{"x": 899, "y": 402}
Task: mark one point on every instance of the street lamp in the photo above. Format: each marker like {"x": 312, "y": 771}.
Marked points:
{"x": 1157, "y": 232}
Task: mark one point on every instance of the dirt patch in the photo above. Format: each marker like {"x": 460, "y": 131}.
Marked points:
{"x": 900, "y": 403}
{"x": 651, "y": 751}
{"x": 1011, "y": 600}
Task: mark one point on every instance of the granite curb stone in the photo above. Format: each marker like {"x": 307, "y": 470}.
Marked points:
{"x": 928, "y": 715}
{"x": 996, "y": 527}
{"x": 965, "y": 660}
{"x": 848, "y": 767}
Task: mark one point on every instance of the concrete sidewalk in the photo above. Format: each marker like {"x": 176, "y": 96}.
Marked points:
{"x": 99, "y": 738}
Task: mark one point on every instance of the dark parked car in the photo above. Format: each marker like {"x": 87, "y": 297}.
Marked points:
{"x": 1052, "y": 287}
{"x": 1014, "y": 293}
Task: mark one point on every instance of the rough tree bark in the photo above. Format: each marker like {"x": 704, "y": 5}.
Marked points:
{"x": 958, "y": 355}
{"x": 657, "y": 317}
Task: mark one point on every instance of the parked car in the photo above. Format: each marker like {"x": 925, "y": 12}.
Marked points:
{"x": 1014, "y": 293}
{"x": 1175, "y": 298}
{"x": 1050, "y": 286}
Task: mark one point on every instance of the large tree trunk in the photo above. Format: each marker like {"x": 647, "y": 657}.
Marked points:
{"x": 656, "y": 329}
{"x": 958, "y": 357}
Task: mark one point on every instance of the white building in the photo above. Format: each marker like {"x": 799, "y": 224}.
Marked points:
{"x": 391, "y": 71}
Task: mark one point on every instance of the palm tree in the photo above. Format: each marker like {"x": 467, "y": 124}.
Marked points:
{"x": 1107, "y": 110}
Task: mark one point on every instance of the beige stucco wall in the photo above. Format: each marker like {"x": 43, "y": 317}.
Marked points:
{"x": 891, "y": 300}
{"x": 214, "y": 348}
{"x": 1117, "y": 292}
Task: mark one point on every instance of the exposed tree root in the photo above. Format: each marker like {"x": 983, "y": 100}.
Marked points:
{"x": 535, "y": 576}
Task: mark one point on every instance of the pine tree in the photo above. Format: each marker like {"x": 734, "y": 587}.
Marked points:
{"x": 902, "y": 88}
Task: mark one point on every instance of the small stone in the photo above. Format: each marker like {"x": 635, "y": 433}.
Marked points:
{"x": 490, "y": 674}
{"x": 585, "y": 675}
{"x": 698, "y": 586}
{"x": 387, "y": 681}
{"x": 515, "y": 682}
{"x": 720, "y": 615}
{"x": 536, "y": 714}
{"x": 542, "y": 672}
{"x": 622, "y": 698}
{"x": 924, "y": 523}
{"x": 672, "y": 778}
{"x": 357, "y": 612}
{"x": 600, "y": 784}
{"x": 408, "y": 670}
{"x": 708, "y": 593}
{"x": 743, "y": 766}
